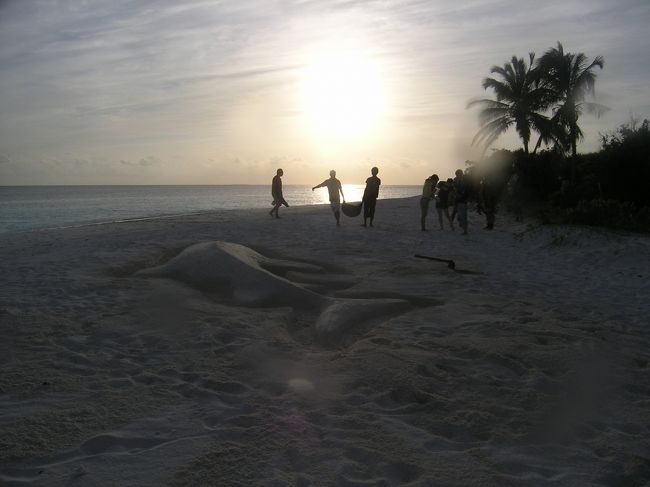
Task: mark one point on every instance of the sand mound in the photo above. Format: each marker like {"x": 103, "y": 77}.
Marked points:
{"x": 240, "y": 274}
{"x": 344, "y": 319}
{"x": 237, "y": 272}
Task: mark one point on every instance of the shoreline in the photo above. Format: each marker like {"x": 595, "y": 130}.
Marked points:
{"x": 113, "y": 375}
{"x": 164, "y": 215}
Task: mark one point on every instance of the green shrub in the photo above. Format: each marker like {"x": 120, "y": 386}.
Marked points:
{"x": 608, "y": 213}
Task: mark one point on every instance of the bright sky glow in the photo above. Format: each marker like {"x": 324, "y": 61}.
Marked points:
{"x": 343, "y": 96}
{"x": 213, "y": 92}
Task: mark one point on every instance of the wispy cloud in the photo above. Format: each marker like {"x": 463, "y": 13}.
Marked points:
{"x": 118, "y": 81}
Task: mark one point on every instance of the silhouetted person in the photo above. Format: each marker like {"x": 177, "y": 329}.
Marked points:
{"x": 370, "y": 195}
{"x": 488, "y": 199}
{"x": 276, "y": 192}
{"x": 452, "y": 200}
{"x": 427, "y": 193}
{"x": 334, "y": 187}
{"x": 462, "y": 193}
{"x": 442, "y": 203}
{"x": 515, "y": 198}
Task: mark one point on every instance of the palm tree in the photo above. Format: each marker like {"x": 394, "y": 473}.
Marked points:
{"x": 570, "y": 79}
{"x": 520, "y": 101}
{"x": 553, "y": 133}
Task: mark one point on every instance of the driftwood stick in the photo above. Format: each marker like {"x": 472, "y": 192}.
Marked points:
{"x": 450, "y": 263}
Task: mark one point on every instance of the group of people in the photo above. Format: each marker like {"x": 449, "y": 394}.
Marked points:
{"x": 335, "y": 191}
{"x": 452, "y": 193}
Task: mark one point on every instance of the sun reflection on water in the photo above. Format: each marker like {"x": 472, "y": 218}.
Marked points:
{"x": 352, "y": 192}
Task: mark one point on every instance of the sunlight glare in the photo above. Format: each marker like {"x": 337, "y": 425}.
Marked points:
{"x": 353, "y": 193}
{"x": 343, "y": 95}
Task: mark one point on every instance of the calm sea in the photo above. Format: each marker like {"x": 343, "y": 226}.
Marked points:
{"x": 36, "y": 207}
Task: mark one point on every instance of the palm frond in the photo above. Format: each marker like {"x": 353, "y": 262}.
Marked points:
{"x": 486, "y": 102}
{"x": 491, "y": 130}
{"x": 596, "y": 108}
{"x": 488, "y": 114}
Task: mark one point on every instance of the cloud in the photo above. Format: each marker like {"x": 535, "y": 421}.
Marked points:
{"x": 113, "y": 79}
{"x": 149, "y": 161}
{"x": 283, "y": 161}
{"x": 144, "y": 162}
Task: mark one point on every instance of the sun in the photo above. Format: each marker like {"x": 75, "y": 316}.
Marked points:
{"x": 342, "y": 95}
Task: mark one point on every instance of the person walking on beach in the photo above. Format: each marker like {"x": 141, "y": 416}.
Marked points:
{"x": 460, "y": 186}
{"x": 276, "y": 192}
{"x": 370, "y": 195}
{"x": 427, "y": 193}
{"x": 334, "y": 187}
{"x": 442, "y": 203}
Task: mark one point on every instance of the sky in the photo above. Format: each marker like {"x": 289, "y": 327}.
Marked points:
{"x": 226, "y": 92}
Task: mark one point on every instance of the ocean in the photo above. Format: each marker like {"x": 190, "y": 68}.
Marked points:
{"x": 24, "y": 208}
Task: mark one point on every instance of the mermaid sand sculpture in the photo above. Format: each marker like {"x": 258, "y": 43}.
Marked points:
{"x": 247, "y": 278}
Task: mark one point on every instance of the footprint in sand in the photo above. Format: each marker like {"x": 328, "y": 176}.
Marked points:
{"x": 115, "y": 443}
{"x": 423, "y": 370}
{"x": 362, "y": 466}
{"x": 509, "y": 363}
{"x": 401, "y": 473}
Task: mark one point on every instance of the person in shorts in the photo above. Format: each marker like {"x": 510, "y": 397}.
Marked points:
{"x": 461, "y": 189}
{"x": 442, "y": 203}
{"x": 370, "y": 195}
{"x": 428, "y": 190}
{"x": 488, "y": 200}
{"x": 276, "y": 192}
{"x": 334, "y": 187}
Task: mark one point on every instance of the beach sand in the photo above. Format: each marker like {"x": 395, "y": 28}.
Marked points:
{"x": 310, "y": 355}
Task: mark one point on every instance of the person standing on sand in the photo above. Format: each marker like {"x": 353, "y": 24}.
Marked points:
{"x": 488, "y": 199}
{"x": 427, "y": 194}
{"x": 451, "y": 199}
{"x": 276, "y": 192}
{"x": 334, "y": 187}
{"x": 370, "y": 195}
{"x": 442, "y": 203}
{"x": 460, "y": 186}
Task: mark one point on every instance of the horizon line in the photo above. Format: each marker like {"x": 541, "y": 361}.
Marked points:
{"x": 190, "y": 184}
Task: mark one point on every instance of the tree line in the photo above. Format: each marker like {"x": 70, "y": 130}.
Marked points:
{"x": 546, "y": 96}
{"x": 543, "y": 100}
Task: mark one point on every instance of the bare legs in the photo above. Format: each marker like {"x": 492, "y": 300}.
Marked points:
{"x": 368, "y": 211}
{"x": 451, "y": 220}
{"x": 424, "y": 209}
{"x": 444, "y": 211}
{"x": 275, "y": 209}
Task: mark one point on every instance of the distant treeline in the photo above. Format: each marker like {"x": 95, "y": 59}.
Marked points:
{"x": 544, "y": 100}
{"x": 607, "y": 188}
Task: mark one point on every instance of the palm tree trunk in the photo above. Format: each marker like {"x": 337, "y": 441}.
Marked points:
{"x": 574, "y": 144}
{"x": 573, "y": 130}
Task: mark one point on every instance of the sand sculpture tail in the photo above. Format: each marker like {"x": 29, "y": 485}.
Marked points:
{"x": 245, "y": 277}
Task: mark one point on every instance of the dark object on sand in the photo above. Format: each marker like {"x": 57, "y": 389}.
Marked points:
{"x": 282, "y": 202}
{"x": 351, "y": 209}
{"x": 450, "y": 263}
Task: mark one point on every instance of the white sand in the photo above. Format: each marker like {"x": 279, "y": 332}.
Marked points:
{"x": 528, "y": 365}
